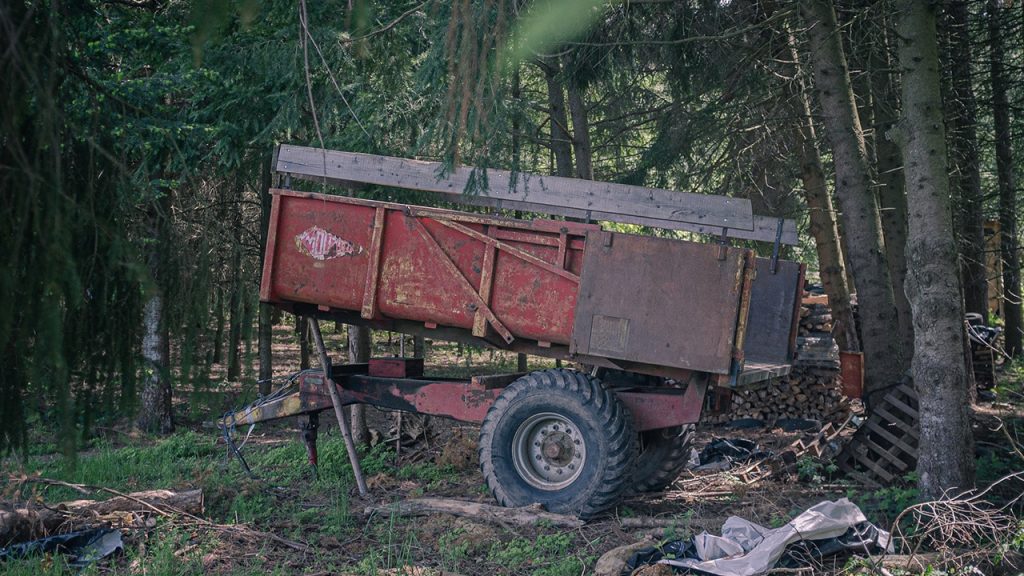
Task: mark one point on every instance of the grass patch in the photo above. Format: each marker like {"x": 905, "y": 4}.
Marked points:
{"x": 547, "y": 555}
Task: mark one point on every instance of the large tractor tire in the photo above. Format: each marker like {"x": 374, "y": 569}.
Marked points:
{"x": 664, "y": 454}
{"x": 558, "y": 437}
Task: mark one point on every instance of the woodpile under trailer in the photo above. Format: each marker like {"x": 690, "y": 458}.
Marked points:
{"x": 660, "y": 321}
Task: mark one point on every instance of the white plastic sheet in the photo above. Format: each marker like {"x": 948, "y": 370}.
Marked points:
{"x": 747, "y": 549}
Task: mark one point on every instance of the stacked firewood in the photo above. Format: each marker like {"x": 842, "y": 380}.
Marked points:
{"x": 815, "y": 318}
{"x": 812, "y": 390}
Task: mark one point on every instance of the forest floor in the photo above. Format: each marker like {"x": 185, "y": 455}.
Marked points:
{"x": 297, "y": 523}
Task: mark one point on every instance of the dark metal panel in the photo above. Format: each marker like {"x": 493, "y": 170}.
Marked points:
{"x": 654, "y": 408}
{"x": 774, "y": 302}
{"x": 659, "y": 301}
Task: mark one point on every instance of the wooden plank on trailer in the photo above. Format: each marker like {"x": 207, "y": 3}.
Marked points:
{"x": 486, "y": 281}
{"x": 522, "y": 255}
{"x": 763, "y": 231}
{"x": 373, "y": 268}
{"x": 551, "y": 192}
{"x": 442, "y": 257}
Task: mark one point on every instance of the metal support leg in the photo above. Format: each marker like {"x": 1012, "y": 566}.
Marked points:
{"x": 310, "y": 423}
{"x": 346, "y": 433}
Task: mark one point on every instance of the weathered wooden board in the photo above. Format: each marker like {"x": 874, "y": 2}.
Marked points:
{"x": 546, "y": 194}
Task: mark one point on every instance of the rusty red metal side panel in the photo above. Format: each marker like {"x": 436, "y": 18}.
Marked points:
{"x": 430, "y": 265}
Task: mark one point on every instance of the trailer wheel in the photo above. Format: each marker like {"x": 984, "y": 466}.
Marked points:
{"x": 664, "y": 453}
{"x": 558, "y": 437}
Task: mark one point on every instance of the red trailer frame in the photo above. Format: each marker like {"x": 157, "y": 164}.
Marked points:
{"x": 658, "y": 319}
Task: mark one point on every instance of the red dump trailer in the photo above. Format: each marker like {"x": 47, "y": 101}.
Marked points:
{"x": 655, "y": 322}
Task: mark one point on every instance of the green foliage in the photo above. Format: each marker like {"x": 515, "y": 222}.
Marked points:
{"x": 547, "y": 555}
{"x": 453, "y": 548}
{"x": 550, "y": 23}
{"x": 814, "y": 470}
{"x": 429, "y": 473}
{"x": 888, "y": 502}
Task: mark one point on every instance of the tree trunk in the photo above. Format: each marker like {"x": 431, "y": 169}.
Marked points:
{"x": 945, "y": 451}
{"x": 580, "y": 129}
{"x": 892, "y": 198}
{"x": 419, "y": 347}
{"x": 966, "y": 176}
{"x": 302, "y": 332}
{"x": 821, "y": 213}
{"x": 155, "y": 413}
{"x": 235, "y": 323}
{"x": 1004, "y": 175}
{"x": 561, "y": 142}
{"x": 359, "y": 353}
{"x": 218, "y": 335}
{"x": 266, "y": 323}
{"x": 521, "y": 365}
{"x": 856, "y": 200}
{"x": 235, "y": 307}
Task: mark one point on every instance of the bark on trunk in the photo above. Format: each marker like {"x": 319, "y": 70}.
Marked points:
{"x": 945, "y": 451}
{"x": 580, "y": 129}
{"x": 561, "y": 142}
{"x": 521, "y": 365}
{"x": 266, "y": 323}
{"x": 235, "y": 307}
{"x": 966, "y": 176}
{"x": 218, "y": 335}
{"x": 358, "y": 353}
{"x": 857, "y": 202}
{"x": 821, "y": 213}
{"x": 892, "y": 198}
{"x": 235, "y": 322}
{"x": 302, "y": 333}
{"x": 155, "y": 413}
{"x": 1004, "y": 175}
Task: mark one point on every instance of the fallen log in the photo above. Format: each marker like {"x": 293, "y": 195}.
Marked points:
{"x": 20, "y": 522}
{"x": 524, "y": 516}
{"x": 680, "y": 523}
{"x": 993, "y": 563}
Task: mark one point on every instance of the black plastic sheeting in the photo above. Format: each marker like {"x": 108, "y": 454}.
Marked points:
{"x": 723, "y": 453}
{"x": 82, "y": 548}
{"x": 860, "y": 539}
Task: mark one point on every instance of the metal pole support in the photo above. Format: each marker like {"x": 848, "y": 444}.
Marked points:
{"x": 346, "y": 433}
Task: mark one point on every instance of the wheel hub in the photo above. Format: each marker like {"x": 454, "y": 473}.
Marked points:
{"x": 548, "y": 451}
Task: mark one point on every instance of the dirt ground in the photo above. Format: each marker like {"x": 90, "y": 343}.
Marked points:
{"x": 298, "y": 524}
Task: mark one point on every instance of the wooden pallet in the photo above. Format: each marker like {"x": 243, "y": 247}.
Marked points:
{"x": 884, "y": 449}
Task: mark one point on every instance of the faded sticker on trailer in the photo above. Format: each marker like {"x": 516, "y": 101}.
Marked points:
{"x": 322, "y": 245}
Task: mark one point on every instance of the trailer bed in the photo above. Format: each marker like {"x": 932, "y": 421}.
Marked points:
{"x": 553, "y": 288}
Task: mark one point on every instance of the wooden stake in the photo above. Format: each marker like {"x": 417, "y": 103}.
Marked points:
{"x": 346, "y": 433}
